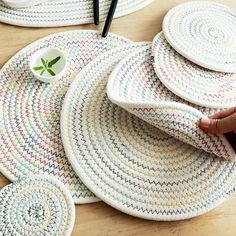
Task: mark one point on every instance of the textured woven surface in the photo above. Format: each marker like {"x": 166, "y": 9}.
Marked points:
{"x": 30, "y": 110}
{"x": 24, "y": 3}
{"x": 132, "y": 165}
{"x": 63, "y": 12}
{"x": 204, "y": 32}
{"x": 135, "y": 87}
{"x": 36, "y": 206}
{"x": 190, "y": 81}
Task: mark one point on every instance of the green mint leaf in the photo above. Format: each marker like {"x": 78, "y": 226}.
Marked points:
{"x": 44, "y": 62}
{"x": 42, "y": 72}
{"x": 51, "y": 72}
{"x": 54, "y": 61}
{"x": 37, "y": 68}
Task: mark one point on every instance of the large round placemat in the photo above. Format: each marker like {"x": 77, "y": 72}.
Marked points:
{"x": 30, "y": 110}
{"x": 190, "y": 81}
{"x": 130, "y": 164}
{"x": 204, "y": 32}
{"x": 38, "y": 205}
{"x": 63, "y": 12}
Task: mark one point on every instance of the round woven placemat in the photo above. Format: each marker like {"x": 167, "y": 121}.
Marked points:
{"x": 30, "y": 110}
{"x": 134, "y": 86}
{"x": 204, "y": 32}
{"x": 38, "y": 205}
{"x": 190, "y": 81}
{"x": 130, "y": 164}
{"x": 63, "y": 12}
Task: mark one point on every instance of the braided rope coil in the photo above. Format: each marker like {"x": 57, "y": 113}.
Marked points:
{"x": 36, "y": 205}
{"x": 192, "y": 82}
{"x": 129, "y": 164}
{"x": 30, "y": 110}
{"x": 204, "y": 32}
{"x": 63, "y": 12}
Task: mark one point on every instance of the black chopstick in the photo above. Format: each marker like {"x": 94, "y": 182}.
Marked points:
{"x": 96, "y": 11}
{"x": 109, "y": 18}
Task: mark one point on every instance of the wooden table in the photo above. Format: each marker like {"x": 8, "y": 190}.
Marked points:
{"x": 99, "y": 218}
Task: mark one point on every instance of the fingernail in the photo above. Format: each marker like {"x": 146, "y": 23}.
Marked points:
{"x": 205, "y": 123}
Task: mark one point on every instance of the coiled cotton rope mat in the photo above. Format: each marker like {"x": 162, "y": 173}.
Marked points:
{"x": 134, "y": 86}
{"x": 64, "y": 12}
{"x": 30, "y": 110}
{"x": 38, "y": 205}
{"x": 204, "y": 32}
{"x": 130, "y": 164}
{"x": 190, "y": 81}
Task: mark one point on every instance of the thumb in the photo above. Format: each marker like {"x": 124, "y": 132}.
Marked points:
{"x": 219, "y": 126}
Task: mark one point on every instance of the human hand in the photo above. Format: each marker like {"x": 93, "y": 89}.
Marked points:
{"x": 223, "y": 122}
{"x": 220, "y": 123}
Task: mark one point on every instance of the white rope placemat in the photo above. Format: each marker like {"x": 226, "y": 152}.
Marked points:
{"x": 30, "y": 110}
{"x": 130, "y": 164}
{"x": 37, "y": 205}
{"x": 134, "y": 86}
{"x": 64, "y": 12}
{"x": 204, "y": 32}
{"x": 190, "y": 81}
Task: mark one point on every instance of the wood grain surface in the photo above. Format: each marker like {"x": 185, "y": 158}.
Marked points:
{"x": 99, "y": 219}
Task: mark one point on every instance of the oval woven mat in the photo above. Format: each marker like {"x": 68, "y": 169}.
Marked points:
{"x": 190, "y": 81}
{"x": 63, "y": 12}
{"x": 30, "y": 110}
{"x": 38, "y": 205}
{"x": 130, "y": 164}
{"x": 204, "y": 32}
{"x": 134, "y": 86}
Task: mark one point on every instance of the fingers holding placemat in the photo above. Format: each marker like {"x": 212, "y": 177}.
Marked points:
{"x": 130, "y": 164}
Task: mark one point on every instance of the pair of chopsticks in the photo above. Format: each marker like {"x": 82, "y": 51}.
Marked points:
{"x": 109, "y": 16}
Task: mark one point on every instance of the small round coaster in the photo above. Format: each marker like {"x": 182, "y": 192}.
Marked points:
{"x": 190, "y": 81}
{"x": 204, "y": 32}
{"x": 37, "y": 205}
{"x": 130, "y": 164}
{"x": 64, "y": 12}
{"x": 30, "y": 110}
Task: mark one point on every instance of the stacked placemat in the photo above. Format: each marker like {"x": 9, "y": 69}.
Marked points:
{"x": 121, "y": 123}
{"x": 62, "y": 12}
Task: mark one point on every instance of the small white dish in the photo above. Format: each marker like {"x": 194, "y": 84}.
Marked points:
{"x": 23, "y": 3}
{"x": 48, "y": 64}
